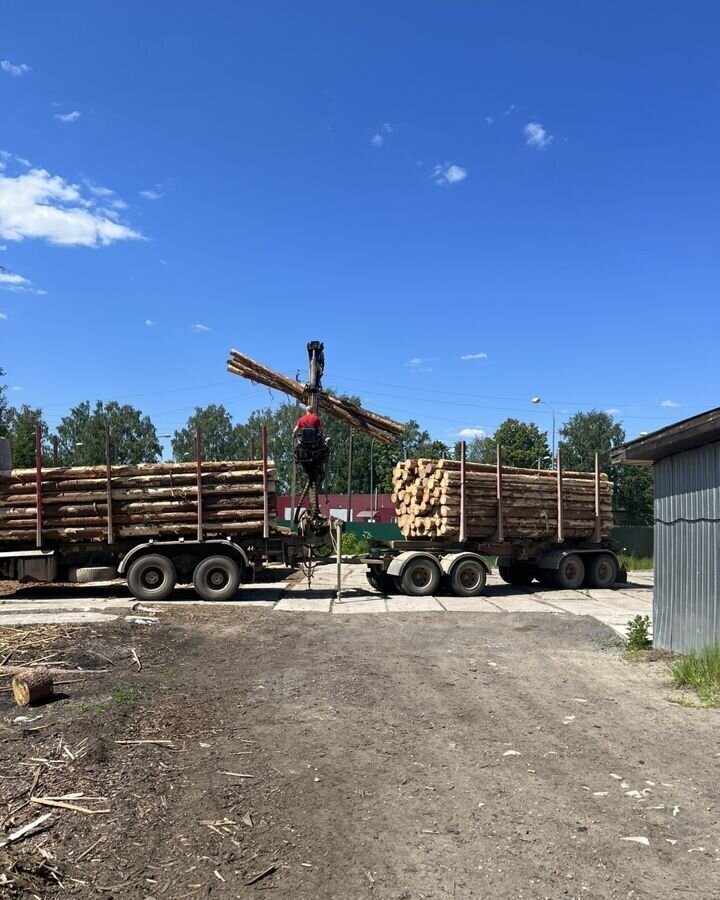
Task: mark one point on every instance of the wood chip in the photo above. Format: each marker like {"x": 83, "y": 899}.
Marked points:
{"x": 135, "y": 658}
{"x": 89, "y": 849}
{"x": 247, "y": 820}
{"x": 148, "y": 741}
{"x": 261, "y": 875}
{"x": 237, "y": 774}
{"x": 218, "y": 875}
{"x": 26, "y": 830}
{"x": 46, "y": 801}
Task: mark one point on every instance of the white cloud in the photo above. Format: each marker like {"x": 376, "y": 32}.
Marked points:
{"x": 16, "y": 387}
{"x": 489, "y": 120}
{"x": 449, "y": 173}
{"x": 3, "y": 315}
{"x": 509, "y": 109}
{"x": 10, "y": 69}
{"x": 613, "y": 411}
{"x": 150, "y": 195}
{"x": 3, "y": 247}
{"x": 98, "y": 190}
{"x": 670, "y": 403}
{"x": 474, "y": 356}
{"x": 471, "y": 432}
{"x": 24, "y": 162}
{"x": 149, "y": 322}
{"x": 417, "y": 361}
{"x": 377, "y": 140}
{"x": 11, "y": 281}
{"x": 37, "y": 204}
{"x": 68, "y": 117}
{"x": 199, "y": 327}
{"x": 388, "y": 127}
{"x": 536, "y": 136}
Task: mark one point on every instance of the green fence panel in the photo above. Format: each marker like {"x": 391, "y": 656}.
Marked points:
{"x": 378, "y": 531}
{"x": 637, "y": 540}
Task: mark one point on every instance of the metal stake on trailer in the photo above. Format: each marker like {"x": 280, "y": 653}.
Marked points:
{"x": 463, "y": 517}
{"x": 266, "y": 509}
{"x": 198, "y": 475}
{"x": 500, "y": 534}
{"x": 596, "y": 533}
{"x": 560, "y": 525}
{"x": 108, "y": 488}
{"x": 338, "y": 539}
{"x": 38, "y": 488}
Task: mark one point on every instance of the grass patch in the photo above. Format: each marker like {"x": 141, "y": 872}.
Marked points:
{"x": 645, "y": 656}
{"x": 124, "y": 694}
{"x": 636, "y": 563}
{"x": 699, "y": 670}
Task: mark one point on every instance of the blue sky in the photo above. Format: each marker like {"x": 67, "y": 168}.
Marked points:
{"x": 469, "y": 203}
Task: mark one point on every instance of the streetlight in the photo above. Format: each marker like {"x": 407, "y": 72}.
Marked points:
{"x": 372, "y": 466}
{"x": 542, "y": 459}
{"x": 540, "y": 400}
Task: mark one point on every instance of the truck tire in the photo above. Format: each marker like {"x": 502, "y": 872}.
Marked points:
{"x": 380, "y": 581}
{"x": 467, "y": 578}
{"x": 217, "y": 578}
{"x": 519, "y": 575}
{"x": 602, "y": 571}
{"x": 420, "y": 577}
{"x": 546, "y": 577}
{"x": 152, "y": 577}
{"x": 570, "y": 573}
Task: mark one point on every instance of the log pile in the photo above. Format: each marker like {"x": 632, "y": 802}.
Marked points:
{"x": 147, "y": 500}
{"x": 382, "y": 429}
{"x": 426, "y": 495}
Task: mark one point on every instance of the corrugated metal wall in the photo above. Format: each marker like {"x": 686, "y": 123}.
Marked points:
{"x": 686, "y": 603}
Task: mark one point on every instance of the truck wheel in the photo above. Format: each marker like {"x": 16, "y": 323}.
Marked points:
{"x": 602, "y": 571}
{"x": 216, "y": 578}
{"x": 380, "y": 581}
{"x": 546, "y": 577}
{"x": 420, "y": 578}
{"x": 570, "y": 573}
{"x": 152, "y": 577}
{"x": 467, "y": 578}
{"x": 519, "y": 575}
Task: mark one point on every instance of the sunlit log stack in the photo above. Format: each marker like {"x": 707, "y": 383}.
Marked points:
{"x": 382, "y": 429}
{"x": 426, "y": 494}
{"x": 151, "y": 499}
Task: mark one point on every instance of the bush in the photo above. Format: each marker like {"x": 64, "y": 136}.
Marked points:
{"x": 639, "y": 633}
{"x": 700, "y": 670}
{"x": 352, "y": 545}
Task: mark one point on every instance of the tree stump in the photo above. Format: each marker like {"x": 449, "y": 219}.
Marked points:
{"x": 32, "y": 685}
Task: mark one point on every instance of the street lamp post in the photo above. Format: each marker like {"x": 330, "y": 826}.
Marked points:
{"x": 545, "y": 403}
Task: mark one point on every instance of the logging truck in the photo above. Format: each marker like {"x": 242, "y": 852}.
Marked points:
{"x": 550, "y": 526}
{"x": 209, "y": 524}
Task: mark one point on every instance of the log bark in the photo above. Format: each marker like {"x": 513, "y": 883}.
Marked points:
{"x": 32, "y": 685}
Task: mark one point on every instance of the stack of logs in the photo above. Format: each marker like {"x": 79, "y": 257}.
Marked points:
{"x": 147, "y": 500}
{"x": 426, "y": 494}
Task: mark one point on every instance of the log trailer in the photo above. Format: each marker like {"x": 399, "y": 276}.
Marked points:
{"x": 418, "y": 567}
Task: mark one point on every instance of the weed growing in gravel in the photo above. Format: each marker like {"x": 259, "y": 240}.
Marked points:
{"x": 700, "y": 670}
{"x": 639, "y": 633}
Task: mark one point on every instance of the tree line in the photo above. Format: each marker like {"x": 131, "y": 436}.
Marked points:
{"x": 80, "y": 440}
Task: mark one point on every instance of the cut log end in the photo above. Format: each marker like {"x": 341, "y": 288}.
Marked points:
{"x": 31, "y": 686}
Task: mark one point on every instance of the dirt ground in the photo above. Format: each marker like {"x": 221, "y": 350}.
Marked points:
{"x": 399, "y": 756}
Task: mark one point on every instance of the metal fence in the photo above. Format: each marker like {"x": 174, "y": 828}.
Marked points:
{"x": 635, "y": 540}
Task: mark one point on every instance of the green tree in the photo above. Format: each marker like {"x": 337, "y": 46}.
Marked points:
{"x": 220, "y": 438}
{"x": 81, "y": 435}
{"x": 586, "y": 434}
{"x": 634, "y": 494}
{"x": 522, "y": 445}
{"x": 3, "y": 405}
{"x": 21, "y": 434}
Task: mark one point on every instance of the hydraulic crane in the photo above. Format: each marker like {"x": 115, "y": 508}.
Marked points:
{"x": 311, "y": 452}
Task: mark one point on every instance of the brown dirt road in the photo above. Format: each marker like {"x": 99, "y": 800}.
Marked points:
{"x": 398, "y": 756}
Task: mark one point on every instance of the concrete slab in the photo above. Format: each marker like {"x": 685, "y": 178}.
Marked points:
{"x": 520, "y": 604}
{"x": 398, "y": 603}
{"x": 468, "y": 604}
{"x": 360, "y": 605}
{"x": 8, "y": 607}
{"x": 320, "y": 604}
{"x": 56, "y": 618}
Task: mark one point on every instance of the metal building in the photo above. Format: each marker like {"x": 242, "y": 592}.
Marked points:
{"x": 686, "y": 464}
